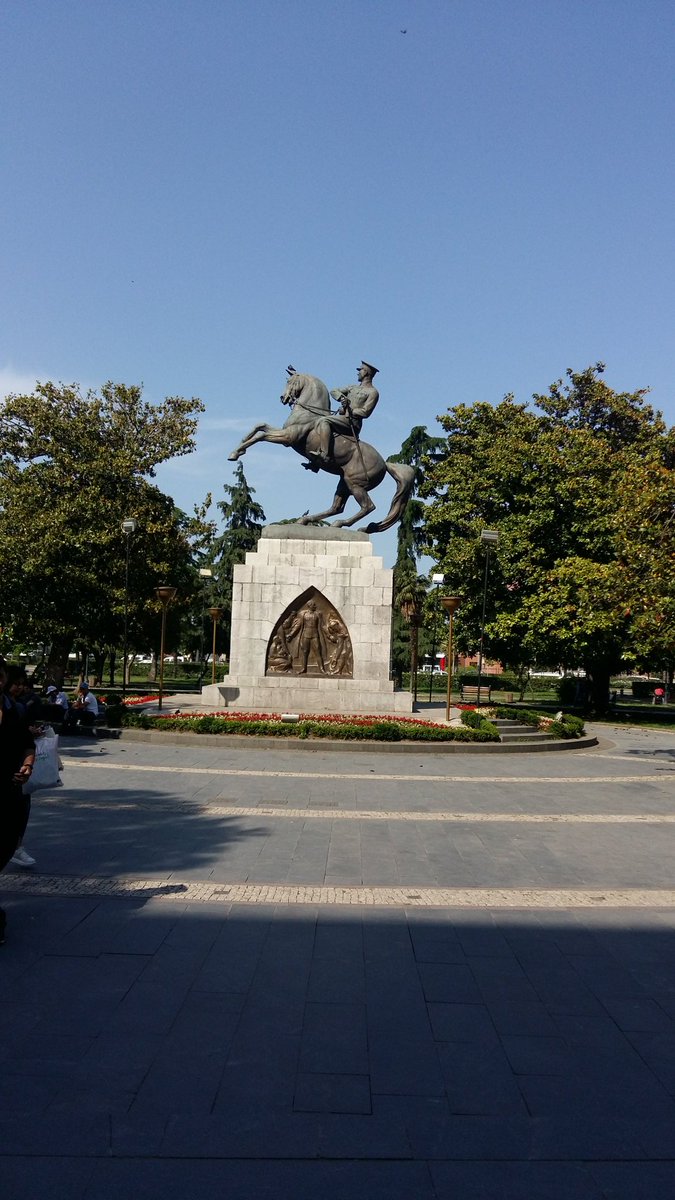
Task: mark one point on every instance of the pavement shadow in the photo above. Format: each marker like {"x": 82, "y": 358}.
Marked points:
{"x": 282, "y": 1052}
{"x": 666, "y": 755}
{"x": 117, "y": 831}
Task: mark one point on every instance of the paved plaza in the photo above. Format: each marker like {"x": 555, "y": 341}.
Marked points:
{"x": 293, "y": 974}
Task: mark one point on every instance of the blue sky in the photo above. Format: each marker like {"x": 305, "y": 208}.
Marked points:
{"x": 196, "y": 194}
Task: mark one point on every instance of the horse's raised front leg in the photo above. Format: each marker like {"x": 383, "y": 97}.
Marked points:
{"x": 339, "y": 500}
{"x": 256, "y": 435}
{"x": 260, "y": 433}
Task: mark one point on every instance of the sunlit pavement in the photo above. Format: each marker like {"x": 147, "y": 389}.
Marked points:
{"x": 270, "y": 974}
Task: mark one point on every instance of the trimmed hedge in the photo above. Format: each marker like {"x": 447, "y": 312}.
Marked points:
{"x": 381, "y": 731}
{"x": 476, "y": 721}
{"x": 525, "y": 716}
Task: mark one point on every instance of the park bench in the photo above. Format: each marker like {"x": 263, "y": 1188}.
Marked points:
{"x": 470, "y": 693}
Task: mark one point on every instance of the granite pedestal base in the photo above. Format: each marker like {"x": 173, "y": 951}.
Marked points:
{"x": 290, "y": 561}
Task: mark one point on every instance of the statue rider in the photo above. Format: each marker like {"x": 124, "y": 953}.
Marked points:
{"x": 356, "y": 403}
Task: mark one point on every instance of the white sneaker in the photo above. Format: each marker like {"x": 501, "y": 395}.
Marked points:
{"x": 22, "y": 859}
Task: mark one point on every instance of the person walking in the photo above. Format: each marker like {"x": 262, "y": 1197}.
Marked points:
{"x": 17, "y": 755}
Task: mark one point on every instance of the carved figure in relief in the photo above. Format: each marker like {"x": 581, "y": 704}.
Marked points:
{"x": 307, "y": 626}
{"x": 279, "y": 658}
{"x": 339, "y": 655}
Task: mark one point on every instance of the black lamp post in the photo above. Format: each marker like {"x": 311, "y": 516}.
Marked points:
{"x": 128, "y": 528}
{"x": 205, "y": 573}
{"x": 165, "y": 595}
{"x": 489, "y": 537}
{"x": 438, "y": 580}
{"x": 450, "y": 604}
{"x": 215, "y": 614}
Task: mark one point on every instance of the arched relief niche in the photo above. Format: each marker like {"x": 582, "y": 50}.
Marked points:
{"x": 310, "y": 638}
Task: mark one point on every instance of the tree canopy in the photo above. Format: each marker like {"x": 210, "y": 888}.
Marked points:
{"x": 409, "y": 587}
{"x": 73, "y": 466}
{"x": 243, "y": 519}
{"x": 580, "y": 489}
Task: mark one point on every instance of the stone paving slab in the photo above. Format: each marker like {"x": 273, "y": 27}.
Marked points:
{"x": 175, "y": 1030}
{"x": 302, "y": 894}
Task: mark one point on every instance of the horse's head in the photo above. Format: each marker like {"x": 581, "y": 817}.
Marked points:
{"x": 308, "y": 392}
{"x": 293, "y": 389}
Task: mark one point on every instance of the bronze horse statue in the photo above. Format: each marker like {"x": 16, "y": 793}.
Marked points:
{"x": 359, "y": 465}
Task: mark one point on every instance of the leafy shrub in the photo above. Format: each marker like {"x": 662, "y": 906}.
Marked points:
{"x": 472, "y": 718}
{"x": 524, "y": 715}
{"x": 489, "y": 729}
{"x": 569, "y": 727}
{"x": 480, "y": 724}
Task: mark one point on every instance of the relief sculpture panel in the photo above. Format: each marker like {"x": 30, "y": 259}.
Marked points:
{"x": 310, "y": 638}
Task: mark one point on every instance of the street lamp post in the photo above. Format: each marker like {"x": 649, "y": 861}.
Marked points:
{"x": 205, "y": 573}
{"x": 450, "y": 604}
{"x": 128, "y": 528}
{"x": 165, "y": 595}
{"x": 438, "y": 580}
{"x": 415, "y": 622}
{"x": 215, "y": 614}
{"x": 489, "y": 537}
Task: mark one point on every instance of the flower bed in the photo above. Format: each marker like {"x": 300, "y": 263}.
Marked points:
{"x": 310, "y": 725}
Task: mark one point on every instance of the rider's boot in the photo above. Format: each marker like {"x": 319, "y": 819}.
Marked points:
{"x": 322, "y": 455}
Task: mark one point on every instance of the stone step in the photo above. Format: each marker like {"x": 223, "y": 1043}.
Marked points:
{"x": 515, "y": 726}
{"x": 530, "y": 735}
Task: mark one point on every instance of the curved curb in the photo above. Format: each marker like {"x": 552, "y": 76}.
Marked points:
{"x": 220, "y": 741}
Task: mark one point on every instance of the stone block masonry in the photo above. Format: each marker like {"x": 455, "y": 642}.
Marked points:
{"x": 340, "y": 564}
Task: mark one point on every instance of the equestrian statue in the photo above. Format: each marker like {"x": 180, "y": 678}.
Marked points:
{"x": 331, "y": 442}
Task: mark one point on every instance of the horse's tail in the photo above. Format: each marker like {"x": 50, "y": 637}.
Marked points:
{"x": 405, "y": 480}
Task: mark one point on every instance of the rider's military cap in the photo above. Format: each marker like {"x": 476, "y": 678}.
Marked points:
{"x": 369, "y": 366}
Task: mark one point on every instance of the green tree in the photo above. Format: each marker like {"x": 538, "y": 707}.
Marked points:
{"x": 243, "y": 523}
{"x": 409, "y": 586}
{"x": 73, "y": 466}
{"x": 556, "y": 483}
{"x": 645, "y": 521}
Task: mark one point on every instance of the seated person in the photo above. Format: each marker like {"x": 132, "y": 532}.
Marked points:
{"x": 85, "y": 709}
{"x": 55, "y": 705}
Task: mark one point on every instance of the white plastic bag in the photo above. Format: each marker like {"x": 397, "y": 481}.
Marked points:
{"x": 45, "y": 771}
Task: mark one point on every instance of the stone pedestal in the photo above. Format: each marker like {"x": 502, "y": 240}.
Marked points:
{"x": 336, "y": 568}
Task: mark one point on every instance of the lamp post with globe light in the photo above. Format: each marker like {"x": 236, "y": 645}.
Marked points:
{"x": 489, "y": 537}
{"x": 215, "y": 614}
{"x": 438, "y": 580}
{"x": 165, "y": 595}
{"x": 128, "y": 529}
{"x": 450, "y": 604}
{"x": 205, "y": 573}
